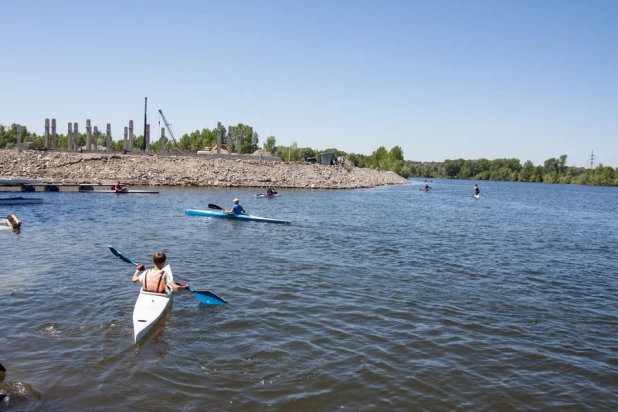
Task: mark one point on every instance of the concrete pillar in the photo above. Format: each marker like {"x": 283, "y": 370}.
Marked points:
{"x": 18, "y": 138}
{"x": 46, "y": 133}
{"x": 125, "y": 143}
{"x": 88, "y": 135}
{"x": 53, "y": 142}
{"x": 95, "y": 138}
{"x": 147, "y": 138}
{"x": 69, "y": 136}
{"x": 53, "y": 136}
{"x": 75, "y": 137}
{"x": 162, "y": 140}
{"x": 230, "y": 139}
{"x": 218, "y": 137}
{"x": 131, "y": 135}
{"x": 108, "y": 140}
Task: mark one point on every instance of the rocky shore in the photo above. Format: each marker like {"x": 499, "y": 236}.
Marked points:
{"x": 185, "y": 170}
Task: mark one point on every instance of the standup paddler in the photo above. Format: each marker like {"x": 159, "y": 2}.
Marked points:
{"x": 477, "y": 190}
{"x": 156, "y": 279}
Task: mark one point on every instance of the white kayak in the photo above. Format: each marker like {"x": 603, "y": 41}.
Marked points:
{"x": 477, "y": 196}
{"x": 149, "y": 309}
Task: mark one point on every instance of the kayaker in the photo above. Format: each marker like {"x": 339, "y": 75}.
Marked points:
{"x": 477, "y": 189}
{"x": 155, "y": 279}
{"x": 236, "y": 209}
{"x": 270, "y": 191}
{"x": 427, "y": 187}
{"x": 120, "y": 188}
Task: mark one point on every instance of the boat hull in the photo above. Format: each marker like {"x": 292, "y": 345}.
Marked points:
{"x": 20, "y": 201}
{"x": 222, "y": 214}
{"x": 149, "y": 309}
{"x": 130, "y": 192}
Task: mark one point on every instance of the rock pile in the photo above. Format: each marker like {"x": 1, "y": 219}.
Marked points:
{"x": 195, "y": 171}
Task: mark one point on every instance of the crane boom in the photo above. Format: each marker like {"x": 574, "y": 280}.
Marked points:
{"x": 167, "y": 126}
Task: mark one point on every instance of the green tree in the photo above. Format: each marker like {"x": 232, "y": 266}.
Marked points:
{"x": 270, "y": 144}
{"x": 562, "y": 164}
{"x": 526, "y": 172}
{"x": 380, "y": 158}
{"x": 395, "y": 154}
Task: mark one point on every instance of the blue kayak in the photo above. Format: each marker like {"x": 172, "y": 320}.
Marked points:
{"x": 221, "y": 213}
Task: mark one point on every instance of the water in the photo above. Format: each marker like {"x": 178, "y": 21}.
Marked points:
{"x": 382, "y": 299}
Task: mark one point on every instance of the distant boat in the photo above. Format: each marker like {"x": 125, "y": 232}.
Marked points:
{"x": 128, "y": 192}
{"x": 20, "y": 200}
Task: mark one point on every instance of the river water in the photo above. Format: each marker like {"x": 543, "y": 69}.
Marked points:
{"x": 382, "y": 299}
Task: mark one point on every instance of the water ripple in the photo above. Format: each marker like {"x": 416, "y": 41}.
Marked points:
{"x": 505, "y": 303}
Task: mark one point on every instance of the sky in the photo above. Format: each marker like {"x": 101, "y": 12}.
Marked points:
{"x": 526, "y": 79}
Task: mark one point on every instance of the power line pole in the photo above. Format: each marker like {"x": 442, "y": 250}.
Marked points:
{"x": 591, "y": 159}
{"x": 145, "y": 120}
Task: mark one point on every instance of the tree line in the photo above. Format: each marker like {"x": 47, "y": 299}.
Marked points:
{"x": 554, "y": 170}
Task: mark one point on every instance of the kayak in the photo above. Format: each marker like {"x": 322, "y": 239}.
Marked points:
{"x": 267, "y": 195}
{"x": 149, "y": 309}
{"x": 20, "y": 200}
{"x": 477, "y": 196}
{"x": 128, "y": 192}
{"x": 222, "y": 214}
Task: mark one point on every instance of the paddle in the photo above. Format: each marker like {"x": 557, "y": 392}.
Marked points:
{"x": 211, "y": 206}
{"x": 121, "y": 256}
{"x": 206, "y": 297}
{"x": 2, "y": 369}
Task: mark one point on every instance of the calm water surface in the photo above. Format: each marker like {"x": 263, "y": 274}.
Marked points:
{"x": 382, "y": 299}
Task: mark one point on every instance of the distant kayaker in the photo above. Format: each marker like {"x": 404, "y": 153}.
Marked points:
{"x": 156, "y": 279}
{"x": 427, "y": 187}
{"x": 477, "y": 189}
{"x": 236, "y": 209}
{"x": 120, "y": 188}
{"x": 270, "y": 191}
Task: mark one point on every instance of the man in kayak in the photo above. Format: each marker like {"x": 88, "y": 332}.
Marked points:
{"x": 427, "y": 187}
{"x": 477, "y": 190}
{"x": 236, "y": 209}
{"x": 119, "y": 188}
{"x": 270, "y": 191}
{"x": 155, "y": 279}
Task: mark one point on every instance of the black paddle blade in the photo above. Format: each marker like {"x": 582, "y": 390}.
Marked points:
{"x": 2, "y": 369}
{"x": 211, "y": 206}
{"x": 121, "y": 256}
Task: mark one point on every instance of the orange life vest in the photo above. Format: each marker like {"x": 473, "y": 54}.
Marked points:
{"x": 156, "y": 281}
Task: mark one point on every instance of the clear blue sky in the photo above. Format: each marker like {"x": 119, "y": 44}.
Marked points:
{"x": 442, "y": 79}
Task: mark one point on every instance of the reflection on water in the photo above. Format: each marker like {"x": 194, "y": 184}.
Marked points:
{"x": 382, "y": 299}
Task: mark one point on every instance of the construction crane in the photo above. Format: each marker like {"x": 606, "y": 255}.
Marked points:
{"x": 167, "y": 126}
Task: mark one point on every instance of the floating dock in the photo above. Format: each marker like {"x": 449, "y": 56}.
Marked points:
{"x": 28, "y": 186}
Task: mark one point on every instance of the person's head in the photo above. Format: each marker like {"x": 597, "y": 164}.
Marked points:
{"x": 475, "y": 185}
{"x": 235, "y": 201}
{"x": 159, "y": 259}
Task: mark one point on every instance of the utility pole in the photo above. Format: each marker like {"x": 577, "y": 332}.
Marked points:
{"x": 591, "y": 159}
{"x": 145, "y": 120}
